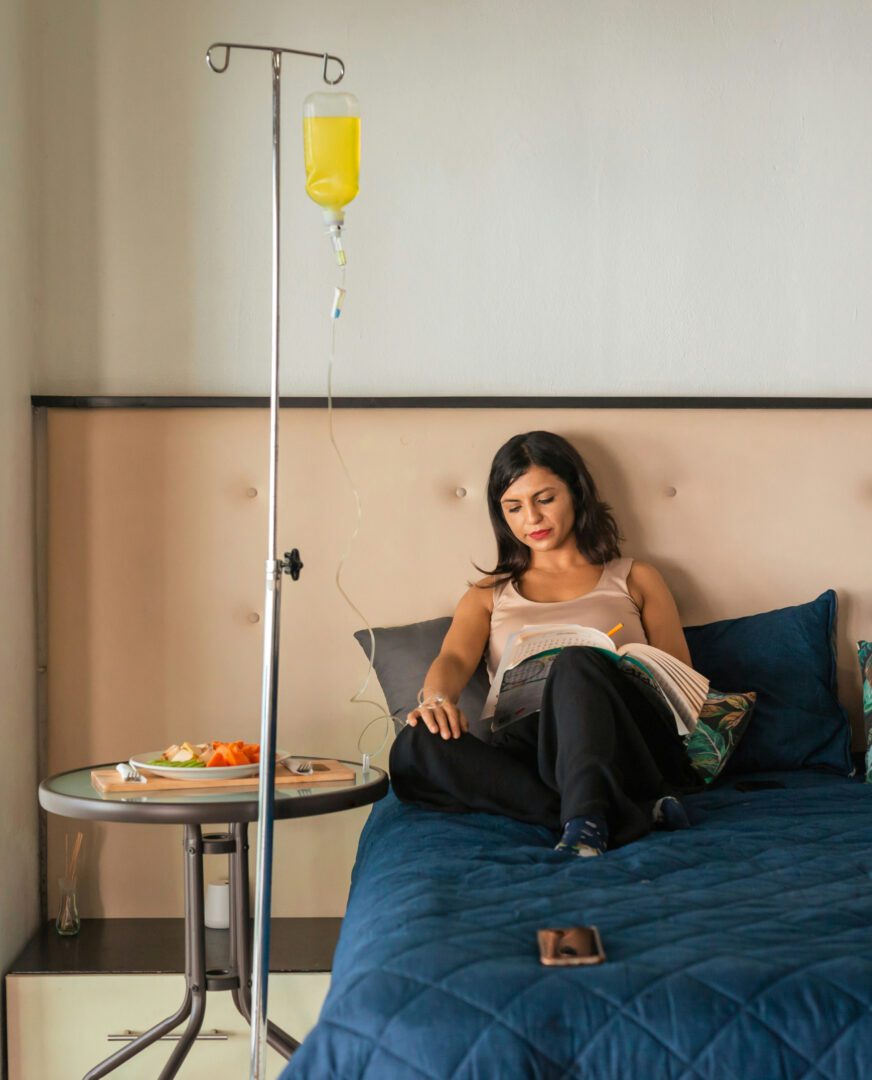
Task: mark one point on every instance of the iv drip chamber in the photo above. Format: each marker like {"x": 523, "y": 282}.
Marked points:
{"x": 331, "y": 151}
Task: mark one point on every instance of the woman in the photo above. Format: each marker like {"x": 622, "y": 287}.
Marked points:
{"x": 598, "y": 761}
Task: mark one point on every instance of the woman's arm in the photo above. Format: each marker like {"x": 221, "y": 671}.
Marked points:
{"x": 660, "y": 618}
{"x": 455, "y": 665}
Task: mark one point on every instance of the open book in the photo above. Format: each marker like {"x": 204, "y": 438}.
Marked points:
{"x": 519, "y": 682}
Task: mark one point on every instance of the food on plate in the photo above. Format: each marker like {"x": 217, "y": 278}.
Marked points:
{"x": 186, "y": 756}
{"x": 209, "y": 755}
{"x": 235, "y": 753}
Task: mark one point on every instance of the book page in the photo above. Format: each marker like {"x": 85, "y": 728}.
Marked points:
{"x": 637, "y": 670}
{"x": 522, "y": 689}
{"x": 685, "y": 688}
{"x": 532, "y": 640}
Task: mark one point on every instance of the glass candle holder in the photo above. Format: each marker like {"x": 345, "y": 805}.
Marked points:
{"x": 67, "y": 922}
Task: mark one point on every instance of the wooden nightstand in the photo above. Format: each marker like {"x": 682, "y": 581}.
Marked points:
{"x": 71, "y": 1001}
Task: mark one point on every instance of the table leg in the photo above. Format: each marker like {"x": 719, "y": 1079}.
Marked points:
{"x": 141, "y": 1041}
{"x": 240, "y": 940}
{"x": 193, "y": 1006}
{"x": 195, "y": 949}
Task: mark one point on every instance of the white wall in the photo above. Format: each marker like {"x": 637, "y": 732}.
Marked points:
{"x": 18, "y": 814}
{"x": 618, "y": 197}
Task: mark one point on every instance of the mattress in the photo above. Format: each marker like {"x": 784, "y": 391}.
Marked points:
{"x": 740, "y": 948}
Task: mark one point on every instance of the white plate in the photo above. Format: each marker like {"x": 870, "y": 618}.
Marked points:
{"x": 224, "y": 772}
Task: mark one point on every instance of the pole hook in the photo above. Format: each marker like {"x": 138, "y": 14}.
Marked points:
{"x": 210, "y": 62}
{"x": 339, "y": 77}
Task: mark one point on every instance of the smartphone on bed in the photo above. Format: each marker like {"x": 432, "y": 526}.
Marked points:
{"x": 569, "y": 945}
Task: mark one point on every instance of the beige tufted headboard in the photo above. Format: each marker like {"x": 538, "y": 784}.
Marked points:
{"x": 156, "y": 540}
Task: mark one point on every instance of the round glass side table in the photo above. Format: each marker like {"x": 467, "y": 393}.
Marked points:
{"x": 71, "y": 794}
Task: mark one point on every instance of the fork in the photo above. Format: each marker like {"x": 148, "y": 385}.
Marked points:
{"x": 129, "y": 773}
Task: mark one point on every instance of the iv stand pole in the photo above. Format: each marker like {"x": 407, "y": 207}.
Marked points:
{"x": 275, "y": 568}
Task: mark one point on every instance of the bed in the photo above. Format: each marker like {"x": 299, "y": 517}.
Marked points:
{"x": 739, "y": 948}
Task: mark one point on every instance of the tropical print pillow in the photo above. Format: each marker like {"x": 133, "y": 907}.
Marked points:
{"x": 864, "y": 651}
{"x": 723, "y": 720}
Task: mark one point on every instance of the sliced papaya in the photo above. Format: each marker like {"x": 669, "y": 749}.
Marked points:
{"x": 238, "y": 752}
{"x": 236, "y": 755}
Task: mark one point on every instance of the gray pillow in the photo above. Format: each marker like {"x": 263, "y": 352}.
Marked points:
{"x": 403, "y": 655}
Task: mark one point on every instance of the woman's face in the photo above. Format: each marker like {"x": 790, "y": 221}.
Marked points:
{"x": 538, "y": 509}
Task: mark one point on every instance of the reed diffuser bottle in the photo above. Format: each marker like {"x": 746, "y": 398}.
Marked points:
{"x": 68, "y": 922}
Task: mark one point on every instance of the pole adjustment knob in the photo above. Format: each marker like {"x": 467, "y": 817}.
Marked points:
{"x": 292, "y": 563}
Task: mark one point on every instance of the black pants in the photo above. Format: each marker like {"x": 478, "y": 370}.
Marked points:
{"x": 598, "y": 745}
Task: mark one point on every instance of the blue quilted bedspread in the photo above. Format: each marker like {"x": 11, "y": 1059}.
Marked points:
{"x": 740, "y": 948}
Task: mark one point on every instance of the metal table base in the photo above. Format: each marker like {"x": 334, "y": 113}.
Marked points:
{"x": 199, "y": 980}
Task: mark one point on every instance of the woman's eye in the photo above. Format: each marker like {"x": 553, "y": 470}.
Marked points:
{"x": 543, "y": 502}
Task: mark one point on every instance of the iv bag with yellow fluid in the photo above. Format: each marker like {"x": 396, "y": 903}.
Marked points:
{"x": 331, "y": 150}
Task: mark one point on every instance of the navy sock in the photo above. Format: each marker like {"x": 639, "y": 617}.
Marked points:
{"x": 586, "y": 835}
{"x": 669, "y": 814}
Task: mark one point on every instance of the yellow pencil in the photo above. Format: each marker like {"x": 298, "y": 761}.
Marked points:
{"x": 615, "y": 629}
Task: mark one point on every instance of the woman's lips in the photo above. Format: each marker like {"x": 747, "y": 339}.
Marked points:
{"x": 539, "y": 535}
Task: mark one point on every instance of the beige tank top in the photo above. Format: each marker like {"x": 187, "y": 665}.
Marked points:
{"x": 608, "y": 603}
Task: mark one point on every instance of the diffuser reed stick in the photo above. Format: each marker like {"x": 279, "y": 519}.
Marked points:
{"x": 71, "y": 862}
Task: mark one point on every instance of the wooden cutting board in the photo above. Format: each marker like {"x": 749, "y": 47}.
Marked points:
{"x": 108, "y": 781}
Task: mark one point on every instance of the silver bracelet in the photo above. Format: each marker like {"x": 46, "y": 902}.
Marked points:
{"x": 434, "y": 699}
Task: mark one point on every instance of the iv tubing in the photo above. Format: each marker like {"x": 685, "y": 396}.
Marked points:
{"x": 338, "y": 298}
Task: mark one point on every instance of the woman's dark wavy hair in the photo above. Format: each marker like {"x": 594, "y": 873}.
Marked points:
{"x": 596, "y": 531}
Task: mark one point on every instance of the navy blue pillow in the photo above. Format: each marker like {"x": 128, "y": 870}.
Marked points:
{"x": 788, "y": 656}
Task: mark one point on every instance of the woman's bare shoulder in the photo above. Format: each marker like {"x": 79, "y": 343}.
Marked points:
{"x": 481, "y": 592}
{"x": 644, "y": 571}
{"x": 643, "y": 579}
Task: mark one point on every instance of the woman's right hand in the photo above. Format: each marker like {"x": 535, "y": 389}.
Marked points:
{"x": 441, "y": 718}
{"x": 458, "y": 658}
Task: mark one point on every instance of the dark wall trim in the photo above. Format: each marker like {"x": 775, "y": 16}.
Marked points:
{"x": 56, "y": 402}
